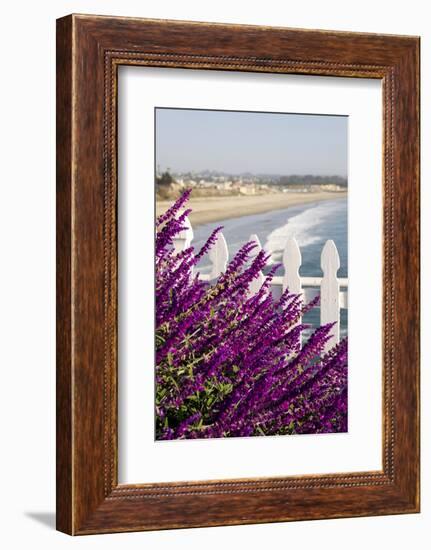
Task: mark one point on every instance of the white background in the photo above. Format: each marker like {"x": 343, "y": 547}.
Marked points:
{"x": 27, "y": 122}
{"x": 141, "y": 458}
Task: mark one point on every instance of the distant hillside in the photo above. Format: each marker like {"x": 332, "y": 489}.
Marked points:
{"x": 310, "y": 180}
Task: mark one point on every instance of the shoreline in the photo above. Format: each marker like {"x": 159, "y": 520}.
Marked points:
{"x": 215, "y": 209}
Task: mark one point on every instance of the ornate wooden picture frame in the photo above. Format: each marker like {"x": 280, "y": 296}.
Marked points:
{"x": 89, "y": 51}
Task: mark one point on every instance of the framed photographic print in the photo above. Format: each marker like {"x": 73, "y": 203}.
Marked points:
{"x": 237, "y": 274}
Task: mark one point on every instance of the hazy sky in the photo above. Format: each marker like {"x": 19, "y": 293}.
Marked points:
{"x": 236, "y": 142}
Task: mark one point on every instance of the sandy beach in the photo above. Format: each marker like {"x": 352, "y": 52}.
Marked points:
{"x": 213, "y": 209}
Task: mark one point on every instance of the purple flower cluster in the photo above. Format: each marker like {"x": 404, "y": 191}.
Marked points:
{"x": 229, "y": 364}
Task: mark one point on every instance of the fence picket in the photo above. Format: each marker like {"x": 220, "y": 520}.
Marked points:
{"x": 258, "y": 282}
{"x": 219, "y": 256}
{"x": 292, "y": 262}
{"x": 330, "y": 291}
{"x": 185, "y": 237}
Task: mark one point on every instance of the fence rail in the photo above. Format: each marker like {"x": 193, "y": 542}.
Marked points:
{"x": 333, "y": 290}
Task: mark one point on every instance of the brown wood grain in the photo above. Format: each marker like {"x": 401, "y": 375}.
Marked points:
{"x": 64, "y": 288}
{"x": 89, "y": 51}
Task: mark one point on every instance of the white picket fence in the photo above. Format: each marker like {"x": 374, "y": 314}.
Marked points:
{"x": 333, "y": 290}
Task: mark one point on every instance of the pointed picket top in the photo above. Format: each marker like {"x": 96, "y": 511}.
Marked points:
{"x": 330, "y": 260}
{"x": 184, "y": 238}
{"x": 256, "y": 284}
{"x": 219, "y": 256}
{"x": 187, "y": 233}
{"x": 330, "y": 291}
{"x": 258, "y": 248}
{"x": 292, "y": 262}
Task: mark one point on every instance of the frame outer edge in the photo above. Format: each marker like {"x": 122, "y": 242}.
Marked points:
{"x": 407, "y": 268}
{"x": 64, "y": 368}
{"x": 81, "y": 507}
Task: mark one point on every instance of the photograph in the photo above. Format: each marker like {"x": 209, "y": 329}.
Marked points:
{"x": 251, "y": 273}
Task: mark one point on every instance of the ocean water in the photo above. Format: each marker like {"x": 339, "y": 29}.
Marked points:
{"x": 311, "y": 224}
